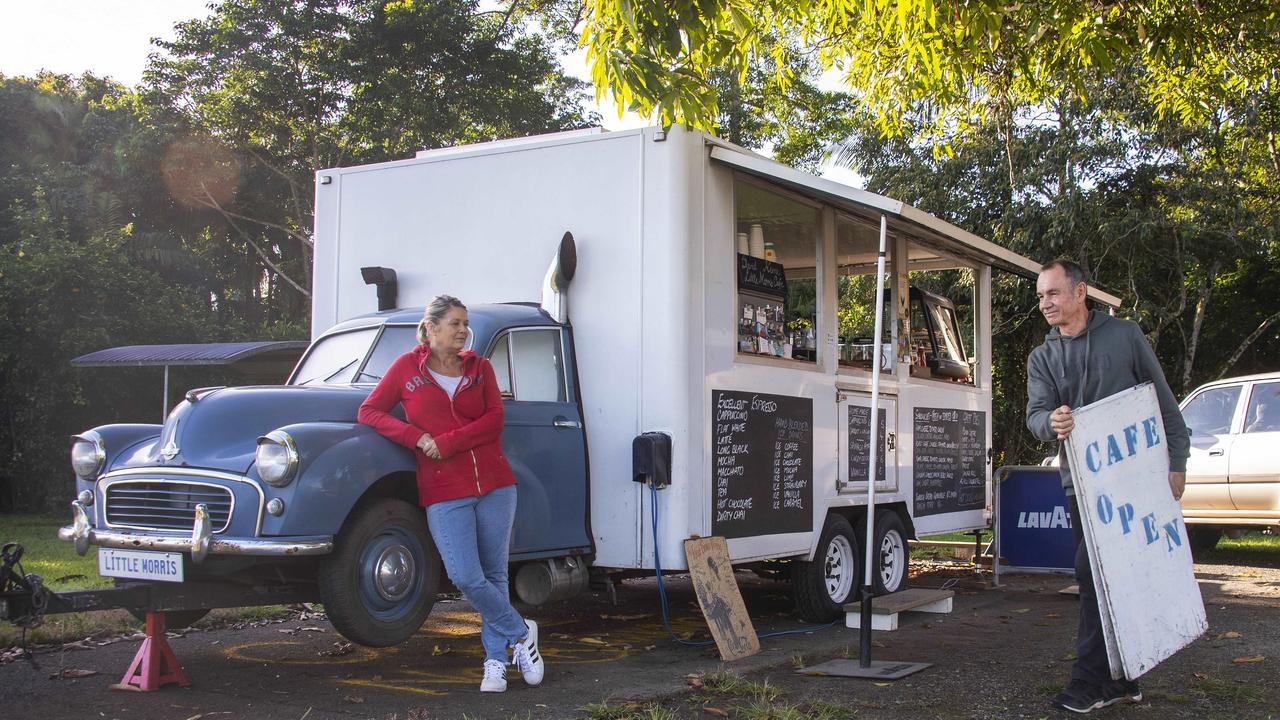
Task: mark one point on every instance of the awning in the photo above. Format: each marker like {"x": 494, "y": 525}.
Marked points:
{"x": 267, "y": 361}
{"x": 913, "y": 221}
{"x": 189, "y": 353}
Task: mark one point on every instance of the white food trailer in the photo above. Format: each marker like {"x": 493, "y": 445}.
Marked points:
{"x": 727, "y": 301}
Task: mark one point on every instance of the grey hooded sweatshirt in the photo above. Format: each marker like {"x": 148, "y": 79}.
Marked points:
{"x": 1111, "y": 355}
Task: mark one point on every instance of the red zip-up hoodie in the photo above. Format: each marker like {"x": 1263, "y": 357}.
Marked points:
{"x": 466, "y": 429}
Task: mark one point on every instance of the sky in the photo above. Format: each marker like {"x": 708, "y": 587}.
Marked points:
{"x": 113, "y": 38}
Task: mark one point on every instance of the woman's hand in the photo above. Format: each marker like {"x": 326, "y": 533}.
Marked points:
{"x": 427, "y": 445}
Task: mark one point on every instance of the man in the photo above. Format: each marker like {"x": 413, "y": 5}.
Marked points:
{"x": 1086, "y": 357}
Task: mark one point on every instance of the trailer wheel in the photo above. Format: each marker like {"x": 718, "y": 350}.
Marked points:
{"x": 174, "y": 619}
{"x": 1203, "y": 537}
{"x": 823, "y": 585}
{"x": 380, "y": 582}
{"x": 890, "y": 556}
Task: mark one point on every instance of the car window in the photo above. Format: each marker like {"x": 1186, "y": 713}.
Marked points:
{"x": 500, "y": 359}
{"x": 537, "y": 365}
{"x": 1264, "y": 408}
{"x": 395, "y": 341}
{"x": 1210, "y": 412}
{"x": 334, "y": 360}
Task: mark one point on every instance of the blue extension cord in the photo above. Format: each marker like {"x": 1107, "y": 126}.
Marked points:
{"x": 662, "y": 591}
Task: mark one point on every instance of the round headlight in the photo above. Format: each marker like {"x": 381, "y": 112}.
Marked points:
{"x": 277, "y": 458}
{"x": 87, "y": 455}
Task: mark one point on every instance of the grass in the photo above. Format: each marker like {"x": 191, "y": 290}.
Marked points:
{"x": 629, "y": 711}
{"x": 1252, "y": 542}
{"x": 47, "y": 556}
{"x": 730, "y": 693}
{"x": 56, "y": 561}
{"x": 1224, "y": 691}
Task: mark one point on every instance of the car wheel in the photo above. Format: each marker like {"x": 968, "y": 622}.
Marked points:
{"x": 1203, "y": 538}
{"x": 380, "y": 582}
{"x": 823, "y": 585}
{"x": 174, "y": 619}
{"x": 890, "y": 556}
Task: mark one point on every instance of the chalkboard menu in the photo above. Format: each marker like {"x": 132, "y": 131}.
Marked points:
{"x": 762, "y": 479}
{"x": 860, "y": 443}
{"x": 761, "y": 276}
{"x": 950, "y": 460}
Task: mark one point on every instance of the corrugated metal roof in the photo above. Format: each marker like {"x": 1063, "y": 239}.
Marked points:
{"x": 188, "y": 354}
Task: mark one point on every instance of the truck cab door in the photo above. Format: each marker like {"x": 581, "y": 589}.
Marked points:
{"x": 1252, "y": 466}
{"x": 543, "y": 440}
{"x": 1211, "y": 416}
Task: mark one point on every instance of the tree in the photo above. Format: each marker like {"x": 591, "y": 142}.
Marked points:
{"x": 1178, "y": 219}
{"x": 274, "y": 90}
{"x": 937, "y": 65}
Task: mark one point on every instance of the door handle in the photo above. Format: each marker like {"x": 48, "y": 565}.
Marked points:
{"x": 1217, "y": 452}
{"x": 893, "y": 440}
{"x": 563, "y": 422}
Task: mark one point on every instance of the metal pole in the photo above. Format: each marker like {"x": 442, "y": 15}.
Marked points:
{"x": 864, "y": 626}
{"x": 164, "y": 411}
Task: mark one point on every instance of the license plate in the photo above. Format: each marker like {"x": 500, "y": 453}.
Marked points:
{"x": 140, "y": 564}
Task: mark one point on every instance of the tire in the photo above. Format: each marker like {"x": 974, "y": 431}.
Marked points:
{"x": 1203, "y": 538}
{"x": 373, "y": 608}
{"x": 174, "y": 619}
{"x": 890, "y": 554}
{"x": 822, "y": 586}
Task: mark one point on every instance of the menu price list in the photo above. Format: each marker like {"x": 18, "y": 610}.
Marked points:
{"x": 950, "y": 460}
{"x": 860, "y": 443}
{"x": 762, "y": 457}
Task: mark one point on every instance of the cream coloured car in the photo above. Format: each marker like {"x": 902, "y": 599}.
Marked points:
{"x": 1233, "y": 475}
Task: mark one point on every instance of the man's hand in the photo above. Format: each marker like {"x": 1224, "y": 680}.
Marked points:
{"x": 1061, "y": 422}
{"x": 427, "y": 445}
{"x": 1178, "y": 484}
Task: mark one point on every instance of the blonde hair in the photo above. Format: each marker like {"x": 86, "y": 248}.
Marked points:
{"x": 434, "y": 313}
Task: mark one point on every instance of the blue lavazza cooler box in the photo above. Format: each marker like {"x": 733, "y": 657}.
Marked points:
{"x": 1035, "y": 520}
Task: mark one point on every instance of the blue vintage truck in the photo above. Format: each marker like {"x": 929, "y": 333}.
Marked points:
{"x": 273, "y": 491}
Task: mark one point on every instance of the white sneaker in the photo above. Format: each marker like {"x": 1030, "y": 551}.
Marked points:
{"x": 525, "y": 655}
{"x": 495, "y": 676}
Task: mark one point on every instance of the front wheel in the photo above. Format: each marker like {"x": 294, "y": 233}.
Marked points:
{"x": 1203, "y": 537}
{"x": 380, "y": 582}
{"x": 823, "y": 585}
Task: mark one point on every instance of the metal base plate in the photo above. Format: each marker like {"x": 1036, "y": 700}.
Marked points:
{"x": 879, "y": 669}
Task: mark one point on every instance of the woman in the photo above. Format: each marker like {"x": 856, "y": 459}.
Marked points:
{"x": 454, "y": 411}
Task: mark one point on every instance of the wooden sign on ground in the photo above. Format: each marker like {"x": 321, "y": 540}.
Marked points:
{"x": 719, "y": 598}
{"x": 1138, "y": 545}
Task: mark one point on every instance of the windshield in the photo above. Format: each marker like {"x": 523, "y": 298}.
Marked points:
{"x": 949, "y": 344}
{"x": 334, "y": 360}
{"x": 340, "y": 359}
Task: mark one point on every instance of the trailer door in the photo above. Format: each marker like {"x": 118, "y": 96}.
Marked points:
{"x": 855, "y": 446}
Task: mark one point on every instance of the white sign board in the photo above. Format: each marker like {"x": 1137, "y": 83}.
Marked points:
{"x": 1138, "y": 547}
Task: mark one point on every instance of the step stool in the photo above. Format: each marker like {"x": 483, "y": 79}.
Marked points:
{"x": 885, "y": 608}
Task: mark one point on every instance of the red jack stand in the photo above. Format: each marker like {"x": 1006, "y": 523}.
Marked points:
{"x": 155, "y": 664}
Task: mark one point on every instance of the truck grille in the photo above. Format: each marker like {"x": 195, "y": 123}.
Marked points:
{"x": 163, "y": 505}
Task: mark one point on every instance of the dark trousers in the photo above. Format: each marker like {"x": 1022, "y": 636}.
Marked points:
{"x": 1091, "y": 663}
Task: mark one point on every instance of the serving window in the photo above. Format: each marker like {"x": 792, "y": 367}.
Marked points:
{"x": 857, "y": 248}
{"x": 777, "y": 258}
{"x": 940, "y": 313}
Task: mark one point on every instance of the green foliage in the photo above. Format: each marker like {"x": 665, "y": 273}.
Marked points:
{"x": 181, "y": 211}
{"x": 933, "y": 65}
{"x": 1177, "y": 219}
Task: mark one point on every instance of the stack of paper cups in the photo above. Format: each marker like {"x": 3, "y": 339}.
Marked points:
{"x": 757, "y": 241}
{"x": 744, "y": 246}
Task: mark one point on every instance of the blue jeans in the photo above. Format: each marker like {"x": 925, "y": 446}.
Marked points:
{"x": 473, "y": 535}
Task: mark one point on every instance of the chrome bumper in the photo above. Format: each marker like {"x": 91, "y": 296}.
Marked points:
{"x": 200, "y": 543}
